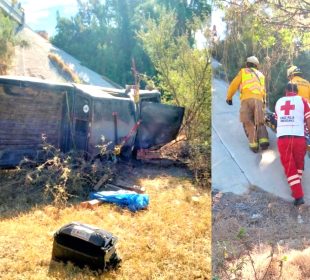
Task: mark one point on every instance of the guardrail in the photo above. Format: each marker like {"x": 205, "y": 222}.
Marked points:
{"x": 15, "y": 12}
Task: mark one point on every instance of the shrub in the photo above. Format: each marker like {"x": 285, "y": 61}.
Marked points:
{"x": 64, "y": 175}
{"x": 185, "y": 78}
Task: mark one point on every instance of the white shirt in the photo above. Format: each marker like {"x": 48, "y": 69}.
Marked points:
{"x": 291, "y": 112}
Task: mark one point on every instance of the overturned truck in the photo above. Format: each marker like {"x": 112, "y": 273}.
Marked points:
{"x": 79, "y": 117}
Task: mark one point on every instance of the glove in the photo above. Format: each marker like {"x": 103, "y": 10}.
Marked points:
{"x": 229, "y": 102}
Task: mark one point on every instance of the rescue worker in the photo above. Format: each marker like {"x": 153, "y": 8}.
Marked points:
{"x": 292, "y": 113}
{"x": 294, "y": 75}
{"x": 251, "y": 84}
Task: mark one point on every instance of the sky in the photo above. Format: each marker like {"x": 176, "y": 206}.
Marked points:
{"x": 41, "y": 15}
{"x": 217, "y": 19}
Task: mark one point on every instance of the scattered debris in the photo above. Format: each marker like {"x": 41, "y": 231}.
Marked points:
{"x": 143, "y": 154}
{"x": 111, "y": 187}
{"x": 104, "y": 178}
{"x": 124, "y": 185}
{"x": 91, "y": 204}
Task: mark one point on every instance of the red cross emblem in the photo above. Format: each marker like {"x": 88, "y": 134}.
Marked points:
{"x": 287, "y": 107}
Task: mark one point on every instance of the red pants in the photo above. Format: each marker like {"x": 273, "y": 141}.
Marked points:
{"x": 292, "y": 154}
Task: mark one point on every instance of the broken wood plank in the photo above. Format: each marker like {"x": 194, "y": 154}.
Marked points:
{"x": 111, "y": 187}
{"x": 148, "y": 154}
{"x": 91, "y": 204}
{"x": 104, "y": 178}
{"x": 124, "y": 185}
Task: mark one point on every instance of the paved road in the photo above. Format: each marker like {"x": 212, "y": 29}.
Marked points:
{"x": 234, "y": 167}
{"x": 33, "y": 61}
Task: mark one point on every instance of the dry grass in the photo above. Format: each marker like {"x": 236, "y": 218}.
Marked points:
{"x": 64, "y": 67}
{"x": 285, "y": 264}
{"x": 298, "y": 265}
{"x": 170, "y": 240}
{"x": 274, "y": 238}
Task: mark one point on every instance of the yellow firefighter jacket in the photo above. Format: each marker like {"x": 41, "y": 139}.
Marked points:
{"x": 303, "y": 87}
{"x": 249, "y": 84}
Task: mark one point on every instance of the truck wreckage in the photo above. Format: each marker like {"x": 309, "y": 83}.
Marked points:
{"x": 79, "y": 117}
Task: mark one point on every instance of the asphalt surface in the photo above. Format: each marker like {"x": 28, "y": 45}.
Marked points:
{"x": 32, "y": 61}
{"x": 234, "y": 167}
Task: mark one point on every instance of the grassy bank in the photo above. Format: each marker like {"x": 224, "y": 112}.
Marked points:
{"x": 169, "y": 240}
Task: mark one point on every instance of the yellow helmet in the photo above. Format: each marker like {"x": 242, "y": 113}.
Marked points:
{"x": 293, "y": 70}
{"x": 253, "y": 59}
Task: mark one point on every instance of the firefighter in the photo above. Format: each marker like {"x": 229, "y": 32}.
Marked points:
{"x": 251, "y": 84}
{"x": 292, "y": 113}
{"x": 294, "y": 75}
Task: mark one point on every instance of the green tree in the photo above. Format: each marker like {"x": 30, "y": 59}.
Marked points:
{"x": 275, "y": 35}
{"x": 188, "y": 14}
{"x": 7, "y": 41}
{"x": 102, "y": 36}
{"x": 184, "y": 75}
{"x": 103, "y": 33}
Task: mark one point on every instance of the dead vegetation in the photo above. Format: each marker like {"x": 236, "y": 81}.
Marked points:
{"x": 64, "y": 68}
{"x": 61, "y": 177}
{"x": 195, "y": 155}
{"x": 259, "y": 236}
{"x": 169, "y": 240}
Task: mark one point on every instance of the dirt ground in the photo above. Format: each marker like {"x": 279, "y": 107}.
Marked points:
{"x": 169, "y": 240}
{"x": 255, "y": 226}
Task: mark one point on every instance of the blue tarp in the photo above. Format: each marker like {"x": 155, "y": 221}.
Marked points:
{"x": 128, "y": 199}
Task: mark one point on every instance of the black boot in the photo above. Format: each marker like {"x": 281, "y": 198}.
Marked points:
{"x": 264, "y": 146}
{"x": 254, "y": 149}
{"x": 299, "y": 201}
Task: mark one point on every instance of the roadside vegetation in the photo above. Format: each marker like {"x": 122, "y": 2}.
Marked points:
{"x": 259, "y": 236}
{"x": 7, "y": 42}
{"x": 64, "y": 68}
{"x": 277, "y": 33}
{"x": 184, "y": 75}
